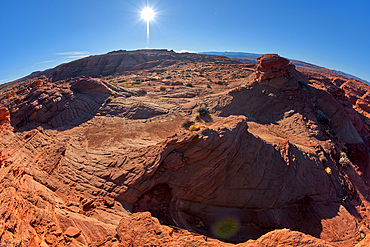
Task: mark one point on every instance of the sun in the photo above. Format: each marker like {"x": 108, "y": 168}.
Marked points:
{"x": 147, "y": 14}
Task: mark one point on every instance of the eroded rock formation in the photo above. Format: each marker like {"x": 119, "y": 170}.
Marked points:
{"x": 83, "y": 160}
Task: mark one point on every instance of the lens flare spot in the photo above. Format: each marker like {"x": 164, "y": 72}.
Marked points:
{"x": 226, "y": 227}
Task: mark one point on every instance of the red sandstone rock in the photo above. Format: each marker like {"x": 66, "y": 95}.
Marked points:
{"x": 286, "y": 237}
{"x": 10, "y": 95}
{"x": 72, "y": 232}
{"x": 140, "y": 229}
{"x": 365, "y": 242}
{"x": 37, "y": 83}
{"x": 4, "y": 116}
{"x": 251, "y": 168}
{"x": 276, "y": 71}
{"x": 272, "y": 61}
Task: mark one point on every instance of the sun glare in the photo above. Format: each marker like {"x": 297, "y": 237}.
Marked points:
{"x": 147, "y": 14}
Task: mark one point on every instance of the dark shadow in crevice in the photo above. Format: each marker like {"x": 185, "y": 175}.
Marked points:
{"x": 157, "y": 201}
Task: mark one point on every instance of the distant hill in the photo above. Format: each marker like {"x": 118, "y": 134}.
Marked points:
{"x": 117, "y": 62}
{"x": 242, "y": 56}
{"x": 252, "y": 58}
{"x": 350, "y": 76}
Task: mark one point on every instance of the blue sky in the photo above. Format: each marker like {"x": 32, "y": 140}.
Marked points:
{"x": 41, "y": 34}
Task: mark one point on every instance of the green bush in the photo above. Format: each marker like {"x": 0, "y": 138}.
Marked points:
{"x": 177, "y": 83}
{"x": 223, "y": 83}
{"x": 203, "y": 110}
{"x": 187, "y": 123}
{"x": 142, "y": 92}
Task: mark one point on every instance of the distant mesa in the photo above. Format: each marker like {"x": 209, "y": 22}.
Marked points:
{"x": 120, "y": 61}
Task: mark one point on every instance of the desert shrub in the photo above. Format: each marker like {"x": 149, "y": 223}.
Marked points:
{"x": 203, "y": 110}
{"x": 197, "y": 115}
{"x": 194, "y": 128}
{"x": 13, "y": 109}
{"x": 221, "y": 83}
{"x": 177, "y": 83}
{"x": 344, "y": 202}
{"x": 189, "y": 84}
{"x": 162, "y": 88}
{"x": 167, "y": 83}
{"x": 322, "y": 118}
{"x": 187, "y": 123}
{"x": 343, "y": 161}
{"x": 142, "y": 92}
{"x": 322, "y": 159}
{"x": 109, "y": 99}
{"x": 209, "y": 86}
{"x": 168, "y": 77}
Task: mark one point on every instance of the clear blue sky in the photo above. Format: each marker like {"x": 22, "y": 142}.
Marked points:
{"x": 40, "y": 34}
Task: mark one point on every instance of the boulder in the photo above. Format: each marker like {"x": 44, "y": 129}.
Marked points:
{"x": 91, "y": 86}
{"x": 72, "y": 232}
